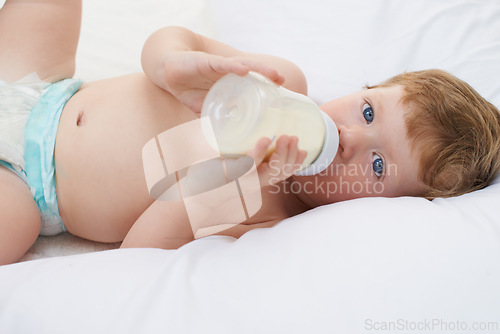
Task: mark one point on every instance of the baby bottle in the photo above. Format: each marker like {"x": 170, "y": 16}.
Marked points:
{"x": 241, "y": 110}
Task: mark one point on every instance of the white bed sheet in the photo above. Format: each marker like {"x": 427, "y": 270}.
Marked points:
{"x": 344, "y": 268}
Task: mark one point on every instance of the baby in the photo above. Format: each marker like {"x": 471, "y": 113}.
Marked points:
{"x": 72, "y": 152}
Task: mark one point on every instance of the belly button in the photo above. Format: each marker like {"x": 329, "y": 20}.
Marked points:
{"x": 81, "y": 119}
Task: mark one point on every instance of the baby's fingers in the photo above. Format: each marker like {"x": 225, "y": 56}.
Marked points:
{"x": 301, "y": 157}
{"x": 293, "y": 151}
{"x": 223, "y": 65}
{"x": 287, "y": 157}
{"x": 295, "y": 156}
{"x": 260, "y": 150}
{"x": 261, "y": 68}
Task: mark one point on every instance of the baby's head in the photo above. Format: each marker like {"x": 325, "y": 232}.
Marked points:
{"x": 425, "y": 134}
{"x": 453, "y": 130}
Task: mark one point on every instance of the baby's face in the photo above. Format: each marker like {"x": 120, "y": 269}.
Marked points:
{"x": 374, "y": 157}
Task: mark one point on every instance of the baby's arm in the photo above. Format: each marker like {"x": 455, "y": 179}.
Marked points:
{"x": 39, "y": 36}
{"x": 187, "y": 64}
{"x": 165, "y": 224}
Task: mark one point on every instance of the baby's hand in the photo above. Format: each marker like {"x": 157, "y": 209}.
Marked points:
{"x": 190, "y": 74}
{"x": 283, "y": 162}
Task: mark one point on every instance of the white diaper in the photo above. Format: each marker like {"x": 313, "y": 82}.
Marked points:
{"x": 16, "y": 102}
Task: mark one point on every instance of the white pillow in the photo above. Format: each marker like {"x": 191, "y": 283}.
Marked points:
{"x": 113, "y": 32}
{"x": 343, "y": 268}
{"x": 341, "y": 46}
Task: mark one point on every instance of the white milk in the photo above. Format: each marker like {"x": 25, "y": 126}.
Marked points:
{"x": 244, "y": 109}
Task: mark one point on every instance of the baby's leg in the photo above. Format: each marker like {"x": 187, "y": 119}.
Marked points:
{"x": 19, "y": 217}
{"x": 39, "y": 36}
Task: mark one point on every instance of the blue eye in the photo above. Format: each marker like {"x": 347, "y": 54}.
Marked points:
{"x": 368, "y": 113}
{"x": 378, "y": 165}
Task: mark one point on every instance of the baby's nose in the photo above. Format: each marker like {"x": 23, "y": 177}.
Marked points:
{"x": 352, "y": 139}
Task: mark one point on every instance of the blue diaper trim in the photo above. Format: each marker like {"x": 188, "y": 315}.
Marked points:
{"x": 40, "y": 138}
{"x": 21, "y": 173}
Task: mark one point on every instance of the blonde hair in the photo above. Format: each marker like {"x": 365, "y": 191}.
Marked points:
{"x": 455, "y": 131}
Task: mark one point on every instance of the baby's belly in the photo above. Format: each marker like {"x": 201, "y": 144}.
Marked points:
{"x": 100, "y": 180}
